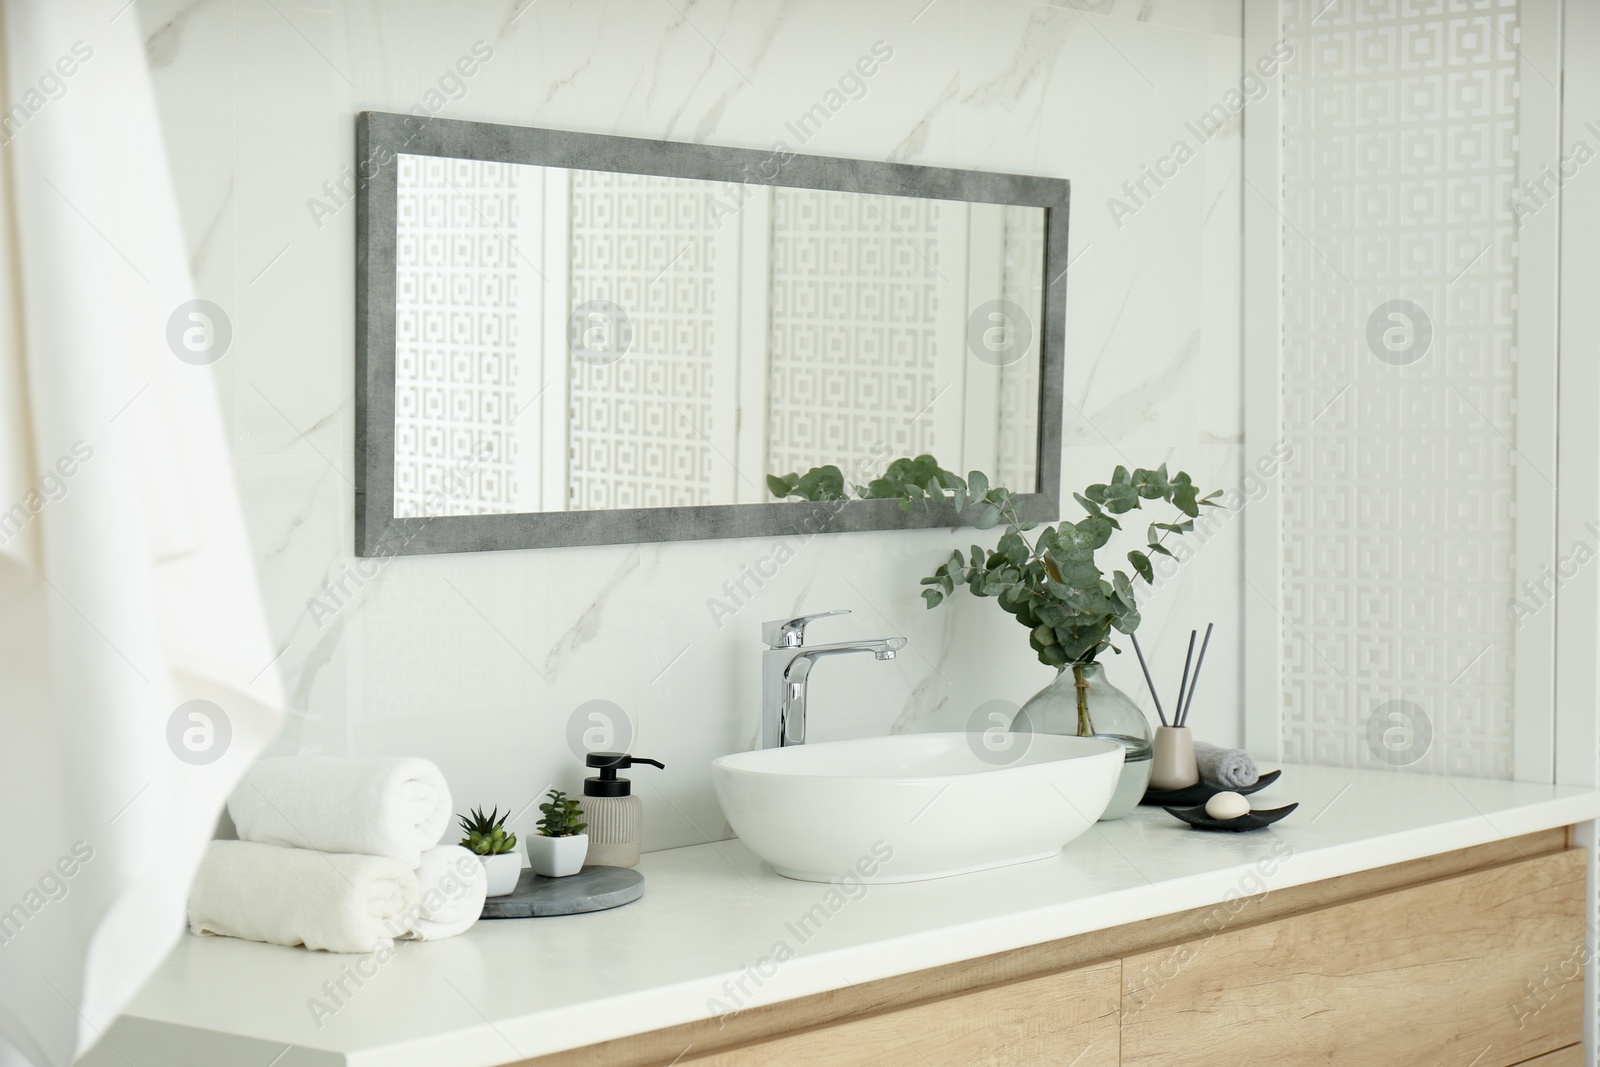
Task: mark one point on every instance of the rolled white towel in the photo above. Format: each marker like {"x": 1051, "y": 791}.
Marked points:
{"x": 1230, "y": 767}
{"x": 379, "y": 806}
{"x": 293, "y": 896}
{"x": 453, "y": 886}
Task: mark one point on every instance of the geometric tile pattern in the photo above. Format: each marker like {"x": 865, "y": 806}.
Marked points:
{"x": 455, "y": 336}
{"x": 854, "y": 304}
{"x": 1018, "y": 417}
{"x": 1399, "y": 139}
{"x": 639, "y": 426}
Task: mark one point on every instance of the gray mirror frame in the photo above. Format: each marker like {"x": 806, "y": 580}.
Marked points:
{"x": 382, "y": 136}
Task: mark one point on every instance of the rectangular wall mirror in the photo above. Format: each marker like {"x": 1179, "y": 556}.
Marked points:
{"x": 569, "y": 339}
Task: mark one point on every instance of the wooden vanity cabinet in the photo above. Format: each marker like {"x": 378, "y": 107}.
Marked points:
{"x": 1437, "y": 973}
{"x": 1070, "y": 1017}
{"x": 1472, "y": 957}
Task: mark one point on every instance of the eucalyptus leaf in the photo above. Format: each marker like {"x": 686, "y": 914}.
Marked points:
{"x": 1151, "y": 485}
{"x": 1074, "y": 543}
{"x": 1080, "y": 574}
{"x": 1099, "y": 528}
{"x": 1184, "y": 498}
{"x": 1053, "y": 615}
{"x": 1141, "y": 563}
{"x": 1014, "y": 548}
{"x": 994, "y": 583}
{"x": 1121, "y": 497}
{"x": 1088, "y": 505}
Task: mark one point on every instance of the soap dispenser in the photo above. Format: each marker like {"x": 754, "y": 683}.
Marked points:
{"x": 615, "y": 816}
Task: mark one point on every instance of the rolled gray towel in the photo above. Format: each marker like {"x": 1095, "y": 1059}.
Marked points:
{"x": 1231, "y": 768}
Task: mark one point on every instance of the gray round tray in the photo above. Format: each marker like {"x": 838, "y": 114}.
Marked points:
{"x": 591, "y": 889}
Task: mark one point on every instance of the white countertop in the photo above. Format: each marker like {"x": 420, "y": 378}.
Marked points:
{"x": 514, "y": 989}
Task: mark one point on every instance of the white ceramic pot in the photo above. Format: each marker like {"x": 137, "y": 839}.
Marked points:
{"x": 503, "y": 871}
{"x": 557, "y": 857}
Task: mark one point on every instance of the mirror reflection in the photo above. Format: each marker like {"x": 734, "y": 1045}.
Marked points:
{"x": 574, "y": 340}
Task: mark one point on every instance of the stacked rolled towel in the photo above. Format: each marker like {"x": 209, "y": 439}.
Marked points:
{"x": 378, "y": 806}
{"x": 338, "y": 854}
{"x": 1231, "y": 768}
{"x": 294, "y": 896}
{"x": 452, "y": 887}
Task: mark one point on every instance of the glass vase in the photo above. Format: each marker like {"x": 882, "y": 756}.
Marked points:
{"x": 1103, "y": 711}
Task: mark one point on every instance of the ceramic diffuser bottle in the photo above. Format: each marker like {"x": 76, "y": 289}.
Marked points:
{"x": 615, "y": 816}
{"x": 1105, "y": 712}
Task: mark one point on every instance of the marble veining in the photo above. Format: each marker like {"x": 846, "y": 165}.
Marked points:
{"x": 436, "y": 655}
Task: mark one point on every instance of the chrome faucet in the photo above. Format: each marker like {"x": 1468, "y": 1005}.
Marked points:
{"x": 786, "y": 665}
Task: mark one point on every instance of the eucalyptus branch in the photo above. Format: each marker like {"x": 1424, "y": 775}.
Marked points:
{"x": 1052, "y": 583}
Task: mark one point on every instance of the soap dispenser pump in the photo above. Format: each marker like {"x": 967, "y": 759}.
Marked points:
{"x": 615, "y": 816}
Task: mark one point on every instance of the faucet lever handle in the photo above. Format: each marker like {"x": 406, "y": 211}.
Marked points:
{"x": 791, "y": 633}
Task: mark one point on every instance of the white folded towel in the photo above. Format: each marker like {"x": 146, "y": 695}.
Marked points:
{"x": 395, "y": 807}
{"x": 291, "y": 896}
{"x": 453, "y": 886}
{"x": 1229, "y": 767}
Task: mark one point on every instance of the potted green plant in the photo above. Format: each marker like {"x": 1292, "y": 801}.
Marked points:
{"x": 561, "y": 845}
{"x": 494, "y": 845}
{"x": 1050, "y": 583}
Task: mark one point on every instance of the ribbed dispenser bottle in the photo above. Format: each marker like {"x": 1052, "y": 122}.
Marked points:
{"x": 615, "y": 816}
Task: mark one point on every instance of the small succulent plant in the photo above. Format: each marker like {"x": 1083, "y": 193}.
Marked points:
{"x": 487, "y": 834}
{"x": 561, "y": 816}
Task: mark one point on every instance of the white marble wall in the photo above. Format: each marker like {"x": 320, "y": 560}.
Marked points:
{"x": 477, "y": 661}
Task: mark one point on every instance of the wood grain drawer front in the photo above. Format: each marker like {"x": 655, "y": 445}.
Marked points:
{"x": 1571, "y": 1056}
{"x": 1070, "y": 1017}
{"x": 1483, "y": 968}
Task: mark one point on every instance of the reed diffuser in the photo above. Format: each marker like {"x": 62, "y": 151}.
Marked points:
{"x": 1174, "y": 764}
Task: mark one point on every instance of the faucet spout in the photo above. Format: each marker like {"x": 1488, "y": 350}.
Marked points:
{"x": 785, "y": 670}
{"x": 880, "y": 647}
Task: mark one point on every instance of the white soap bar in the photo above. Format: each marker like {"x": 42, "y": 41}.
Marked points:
{"x": 1227, "y": 805}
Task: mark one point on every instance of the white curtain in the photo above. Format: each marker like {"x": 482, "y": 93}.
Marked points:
{"x": 126, "y": 589}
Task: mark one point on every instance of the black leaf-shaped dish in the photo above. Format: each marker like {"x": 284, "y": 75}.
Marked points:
{"x": 1197, "y": 818}
{"x": 1202, "y": 792}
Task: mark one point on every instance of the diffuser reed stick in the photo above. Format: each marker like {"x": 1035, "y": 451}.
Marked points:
{"x": 1183, "y": 718}
{"x": 1147, "y": 679}
{"x": 1183, "y": 683}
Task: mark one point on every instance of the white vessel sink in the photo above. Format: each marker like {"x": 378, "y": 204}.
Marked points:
{"x": 913, "y": 806}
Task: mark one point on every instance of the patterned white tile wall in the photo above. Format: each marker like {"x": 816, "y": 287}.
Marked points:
{"x": 640, "y": 427}
{"x": 852, "y": 275}
{"x": 1017, "y": 421}
{"x": 1399, "y": 152}
{"x": 455, "y": 337}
